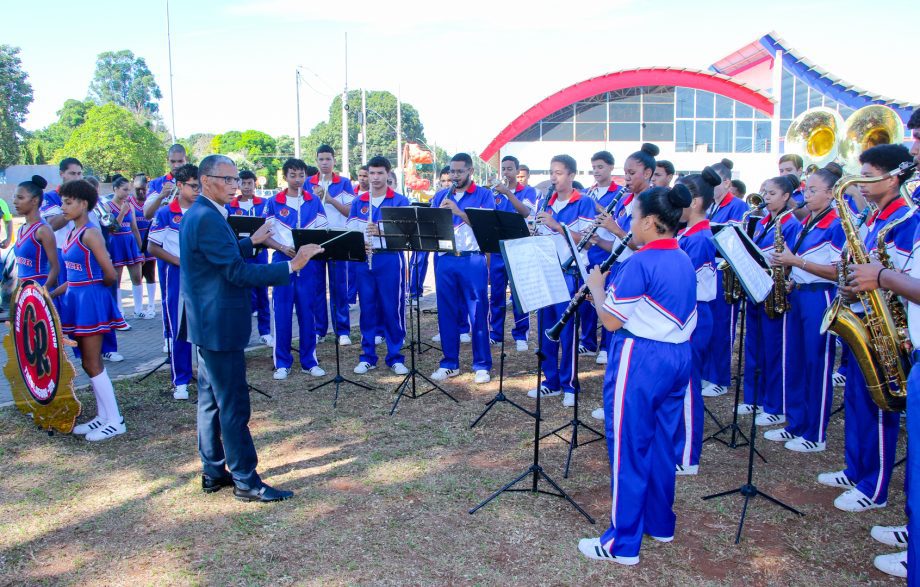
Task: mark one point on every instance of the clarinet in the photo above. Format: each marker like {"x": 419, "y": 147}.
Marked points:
{"x": 541, "y": 207}
{"x": 582, "y": 293}
{"x": 587, "y": 237}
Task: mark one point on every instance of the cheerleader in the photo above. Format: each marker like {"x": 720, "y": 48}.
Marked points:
{"x": 88, "y": 309}
{"x": 651, "y": 306}
{"x": 35, "y": 247}
{"x": 149, "y": 266}
{"x": 871, "y": 434}
{"x": 125, "y": 243}
{"x": 717, "y": 366}
{"x": 696, "y": 241}
{"x": 765, "y": 338}
{"x": 813, "y": 258}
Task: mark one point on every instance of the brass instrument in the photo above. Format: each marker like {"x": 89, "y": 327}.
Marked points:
{"x": 731, "y": 286}
{"x": 106, "y": 220}
{"x": 777, "y": 303}
{"x": 878, "y": 342}
{"x": 867, "y": 127}
{"x": 815, "y": 136}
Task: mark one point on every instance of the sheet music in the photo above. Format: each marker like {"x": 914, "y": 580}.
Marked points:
{"x": 283, "y": 235}
{"x": 565, "y": 246}
{"x": 536, "y": 274}
{"x": 754, "y": 278}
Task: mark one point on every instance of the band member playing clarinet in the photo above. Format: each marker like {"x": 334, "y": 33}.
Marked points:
{"x": 651, "y": 308}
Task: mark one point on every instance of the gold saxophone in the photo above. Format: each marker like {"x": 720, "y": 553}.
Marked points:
{"x": 777, "y": 303}
{"x": 878, "y": 339}
{"x": 731, "y": 285}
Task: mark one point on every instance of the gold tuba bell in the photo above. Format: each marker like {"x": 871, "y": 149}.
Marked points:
{"x": 867, "y": 127}
{"x": 815, "y": 136}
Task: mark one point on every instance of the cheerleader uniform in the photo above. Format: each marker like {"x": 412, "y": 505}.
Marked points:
{"x": 164, "y": 231}
{"x": 143, "y": 227}
{"x": 766, "y": 339}
{"x": 381, "y": 290}
{"x": 259, "y": 295}
{"x": 51, "y": 206}
{"x": 810, "y": 354}
{"x": 696, "y": 241}
{"x": 596, "y": 255}
{"x": 498, "y": 281}
{"x": 654, "y": 295}
{"x": 31, "y": 260}
{"x": 88, "y": 307}
{"x": 302, "y": 291}
{"x": 122, "y": 245}
{"x": 717, "y": 365}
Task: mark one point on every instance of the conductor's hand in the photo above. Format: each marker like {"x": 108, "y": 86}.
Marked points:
{"x": 264, "y": 233}
{"x": 863, "y": 277}
{"x": 304, "y": 254}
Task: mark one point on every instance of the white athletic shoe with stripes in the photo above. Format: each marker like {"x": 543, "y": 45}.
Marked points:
{"x": 891, "y": 535}
{"x": 592, "y": 548}
{"x": 835, "y": 479}
{"x": 854, "y": 500}
{"x": 84, "y": 429}
{"x": 109, "y": 430}
{"x": 892, "y": 564}
{"x": 802, "y": 445}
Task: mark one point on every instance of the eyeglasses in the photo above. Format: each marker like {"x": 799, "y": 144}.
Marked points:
{"x": 194, "y": 186}
{"x": 228, "y": 179}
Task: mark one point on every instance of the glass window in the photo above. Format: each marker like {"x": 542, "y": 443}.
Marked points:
{"x": 685, "y": 103}
{"x": 531, "y": 134}
{"x": 659, "y": 95}
{"x": 558, "y": 131}
{"x": 845, "y": 111}
{"x": 658, "y": 131}
{"x": 801, "y": 98}
{"x": 784, "y": 126}
{"x": 787, "y": 96}
{"x": 704, "y": 142}
{"x": 762, "y": 137}
{"x": 704, "y": 104}
{"x": 724, "y": 136}
{"x": 724, "y": 107}
{"x": 625, "y": 131}
{"x": 760, "y": 115}
{"x": 563, "y": 115}
{"x": 591, "y": 112}
{"x": 815, "y": 99}
{"x": 657, "y": 112}
{"x": 743, "y": 111}
{"x": 590, "y": 131}
{"x": 744, "y": 132}
{"x": 620, "y": 112}
{"x": 684, "y": 139}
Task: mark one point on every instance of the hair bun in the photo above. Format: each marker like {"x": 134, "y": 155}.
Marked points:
{"x": 711, "y": 177}
{"x": 40, "y": 181}
{"x": 728, "y": 163}
{"x": 650, "y": 149}
{"x": 835, "y": 169}
{"x": 679, "y": 196}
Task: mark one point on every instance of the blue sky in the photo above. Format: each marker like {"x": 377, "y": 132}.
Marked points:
{"x": 469, "y": 67}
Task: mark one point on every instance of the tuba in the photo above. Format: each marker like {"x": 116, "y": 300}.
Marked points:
{"x": 777, "y": 303}
{"x": 867, "y": 127}
{"x": 815, "y": 135}
{"x": 878, "y": 340}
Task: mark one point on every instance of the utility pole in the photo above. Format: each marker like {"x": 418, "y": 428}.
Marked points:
{"x": 345, "y": 161}
{"x": 363, "y": 126}
{"x": 172, "y": 95}
{"x": 399, "y": 144}
{"x": 297, "y": 134}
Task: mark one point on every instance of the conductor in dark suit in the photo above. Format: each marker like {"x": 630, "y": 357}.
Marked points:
{"x": 215, "y": 282}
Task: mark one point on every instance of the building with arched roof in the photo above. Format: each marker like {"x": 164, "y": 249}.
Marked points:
{"x": 740, "y": 108}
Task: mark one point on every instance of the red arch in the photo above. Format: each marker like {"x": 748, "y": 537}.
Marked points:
{"x": 655, "y": 76}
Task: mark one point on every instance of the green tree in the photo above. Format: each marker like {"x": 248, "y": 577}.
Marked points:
{"x": 198, "y": 145}
{"x": 40, "y": 155}
{"x": 253, "y": 150}
{"x": 15, "y": 97}
{"x": 113, "y": 141}
{"x": 125, "y": 80}
{"x": 27, "y": 156}
{"x": 52, "y": 138}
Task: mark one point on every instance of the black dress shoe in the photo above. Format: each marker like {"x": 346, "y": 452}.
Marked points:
{"x": 262, "y": 494}
{"x": 212, "y": 484}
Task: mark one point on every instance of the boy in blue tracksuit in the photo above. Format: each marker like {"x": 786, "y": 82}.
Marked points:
{"x": 418, "y": 260}
{"x": 294, "y": 208}
{"x": 461, "y": 276}
{"x": 517, "y": 200}
{"x": 248, "y": 204}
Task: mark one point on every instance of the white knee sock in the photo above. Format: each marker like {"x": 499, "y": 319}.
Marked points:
{"x": 100, "y": 405}
{"x": 105, "y": 395}
{"x": 138, "y": 291}
{"x": 118, "y": 300}
{"x": 151, "y": 292}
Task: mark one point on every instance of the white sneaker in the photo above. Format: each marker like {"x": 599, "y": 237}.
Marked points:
{"x": 320, "y": 339}
{"x": 165, "y": 346}
{"x": 835, "y": 479}
{"x": 466, "y": 338}
{"x": 114, "y": 358}
{"x": 802, "y": 445}
{"x": 281, "y": 373}
{"x": 107, "y": 431}
{"x": 892, "y": 564}
{"x": 765, "y": 419}
{"x": 86, "y": 428}
{"x": 521, "y": 346}
{"x": 436, "y": 338}
{"x": 363, "y": 367}
{"x": 895, "y": 536}
{"x": 688, "y": 470}
{"x": 399, "y": 369}
{"x": 746, "y": 409}
{"x": 584, "y": 352}
{"x": 714, "y": 390}
{"x": 127, "y": 327}
{"x": 601, "y": 358}
{"x": 592, "y": 548}
{"x": 379, "y": 340}
{"x": 268, "y": 340}
{"x": 854, "y": 500}
{"x": 494, "y": 342}
{"x": 544, "y": 392}
{"x": 482, "y": 376}
{"x": 779, "y": 435}
{"x": 598, "y": 414}
{"x": 441, "y": 374}
{"x": 315, "y": 371}
{"x": 142, "y": 315}
{"x": 181, "y": 392}
{"x": 568, "y": 399}
{"x": 344, "y": 340}
{"x": 839, "y": 379}
{"x": 151, "y": 310}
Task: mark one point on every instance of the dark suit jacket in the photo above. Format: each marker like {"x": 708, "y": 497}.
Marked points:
{"x": 215, "y": 280}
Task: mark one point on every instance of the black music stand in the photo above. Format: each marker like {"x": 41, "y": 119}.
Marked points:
{"x": 423, "y": 347}
{"x": 419, "y": 229}
{"x": 490, "y": 227}
{"x": 338, "y": 245}
{"x": 535, "y": 470}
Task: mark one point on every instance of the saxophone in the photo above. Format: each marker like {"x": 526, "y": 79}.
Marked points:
{"x": 777, "y": 303}
{"x": 879, "y": 345}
